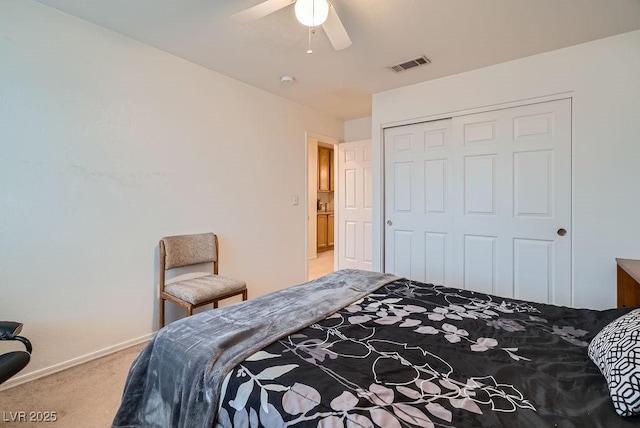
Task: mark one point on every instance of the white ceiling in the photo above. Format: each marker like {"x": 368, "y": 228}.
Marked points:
{"x": 457, "y": 35}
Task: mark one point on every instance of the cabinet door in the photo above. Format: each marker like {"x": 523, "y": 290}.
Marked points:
{"x": 330, "y": 219}
{"x": 323, "y": 169}
{"x": 322, "y": 232}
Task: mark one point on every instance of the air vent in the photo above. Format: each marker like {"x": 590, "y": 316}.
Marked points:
{"x": 416, "y": 62}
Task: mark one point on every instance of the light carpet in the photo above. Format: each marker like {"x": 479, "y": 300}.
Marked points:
{"x": 87, "y": 395}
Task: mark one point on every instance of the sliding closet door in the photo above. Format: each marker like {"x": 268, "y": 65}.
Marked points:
{"x": 492, "y": 205}
{"x": 418, "y": 205}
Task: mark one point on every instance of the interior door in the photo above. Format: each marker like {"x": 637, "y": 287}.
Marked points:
{"x": 483, "y": 202}
{"x": 418, "y": 201}
{"x": 355, "y": 207}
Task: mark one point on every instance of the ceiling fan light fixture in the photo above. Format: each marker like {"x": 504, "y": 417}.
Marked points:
{"x": 312, "y": 12}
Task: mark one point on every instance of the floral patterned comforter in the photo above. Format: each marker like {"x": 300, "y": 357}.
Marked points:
{"x": 414, "y": 354}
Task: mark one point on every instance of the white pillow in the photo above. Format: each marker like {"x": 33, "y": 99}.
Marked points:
{"x": 616, "y": 352}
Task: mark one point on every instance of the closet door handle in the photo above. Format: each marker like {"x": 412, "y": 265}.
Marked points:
{"x": 562, "y": 231}
{"x": 389, "y": 223}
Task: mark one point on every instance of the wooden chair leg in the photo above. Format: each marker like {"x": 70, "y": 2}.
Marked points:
{"x": 161, "y": 313}
{"x": 189, "y": 310}
{"x": 244, "y": 295}
{"x": 215, "y": 304}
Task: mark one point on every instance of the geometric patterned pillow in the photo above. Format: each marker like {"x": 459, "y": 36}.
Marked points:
{"x": 616, "y": 352}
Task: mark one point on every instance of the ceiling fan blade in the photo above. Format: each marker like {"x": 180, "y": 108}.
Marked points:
{"x": 260, "y": 10}
{"x": 335, "y": 30}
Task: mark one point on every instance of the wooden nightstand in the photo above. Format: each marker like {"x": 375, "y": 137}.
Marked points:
{"x": 628, "y": 283}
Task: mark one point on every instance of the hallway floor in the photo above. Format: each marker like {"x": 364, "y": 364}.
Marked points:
{"x": 321, "y": 265}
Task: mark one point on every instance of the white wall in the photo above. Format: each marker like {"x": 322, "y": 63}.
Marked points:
{"x": 357, "y": 129}
{"x": 106, "y": 145}
{"x": 603, "y": 79}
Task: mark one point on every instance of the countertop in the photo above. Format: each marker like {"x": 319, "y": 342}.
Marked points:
{"x": 632, "y": 267}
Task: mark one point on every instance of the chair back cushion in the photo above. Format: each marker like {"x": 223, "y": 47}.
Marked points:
{"x": 185, "y": 250}
{"x": 8, "y": 329}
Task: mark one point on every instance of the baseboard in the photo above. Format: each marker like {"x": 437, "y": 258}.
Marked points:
{"x": 19, "y": 380}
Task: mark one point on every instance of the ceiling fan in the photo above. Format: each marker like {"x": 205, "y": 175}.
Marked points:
{"x": 309, "y": 12}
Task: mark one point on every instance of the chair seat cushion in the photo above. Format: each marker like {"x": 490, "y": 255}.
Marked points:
{"x": 11, "y": 363}
{"x": 205, "y": 288}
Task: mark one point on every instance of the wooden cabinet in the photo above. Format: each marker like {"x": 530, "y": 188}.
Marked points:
{"x": 326, "y": 185}
{"x": 322, "y": 232}
{"x": 628, "y": 283}
{"x": 325, "y": 231}
{"x": 325, "y": 170}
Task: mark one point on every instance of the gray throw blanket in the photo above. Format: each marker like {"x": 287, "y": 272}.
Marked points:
{"x": 176, "y": 379}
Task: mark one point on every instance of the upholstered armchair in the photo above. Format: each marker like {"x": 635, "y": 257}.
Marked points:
{"x": 12, "y": 362}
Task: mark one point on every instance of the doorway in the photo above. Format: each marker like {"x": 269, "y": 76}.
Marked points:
{"x": 322, "y": 198}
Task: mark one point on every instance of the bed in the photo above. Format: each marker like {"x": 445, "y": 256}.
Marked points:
{"x": 363, "y": 349}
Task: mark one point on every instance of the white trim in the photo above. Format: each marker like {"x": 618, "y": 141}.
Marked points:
{"x": 573, "y": 200}
{"x": 74, "y": 362}
{"x": 480, "y": 109}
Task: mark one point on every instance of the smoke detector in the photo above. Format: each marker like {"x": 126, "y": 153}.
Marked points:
{"x": 287, "y": 79}
{"x": 415, "y": 62}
